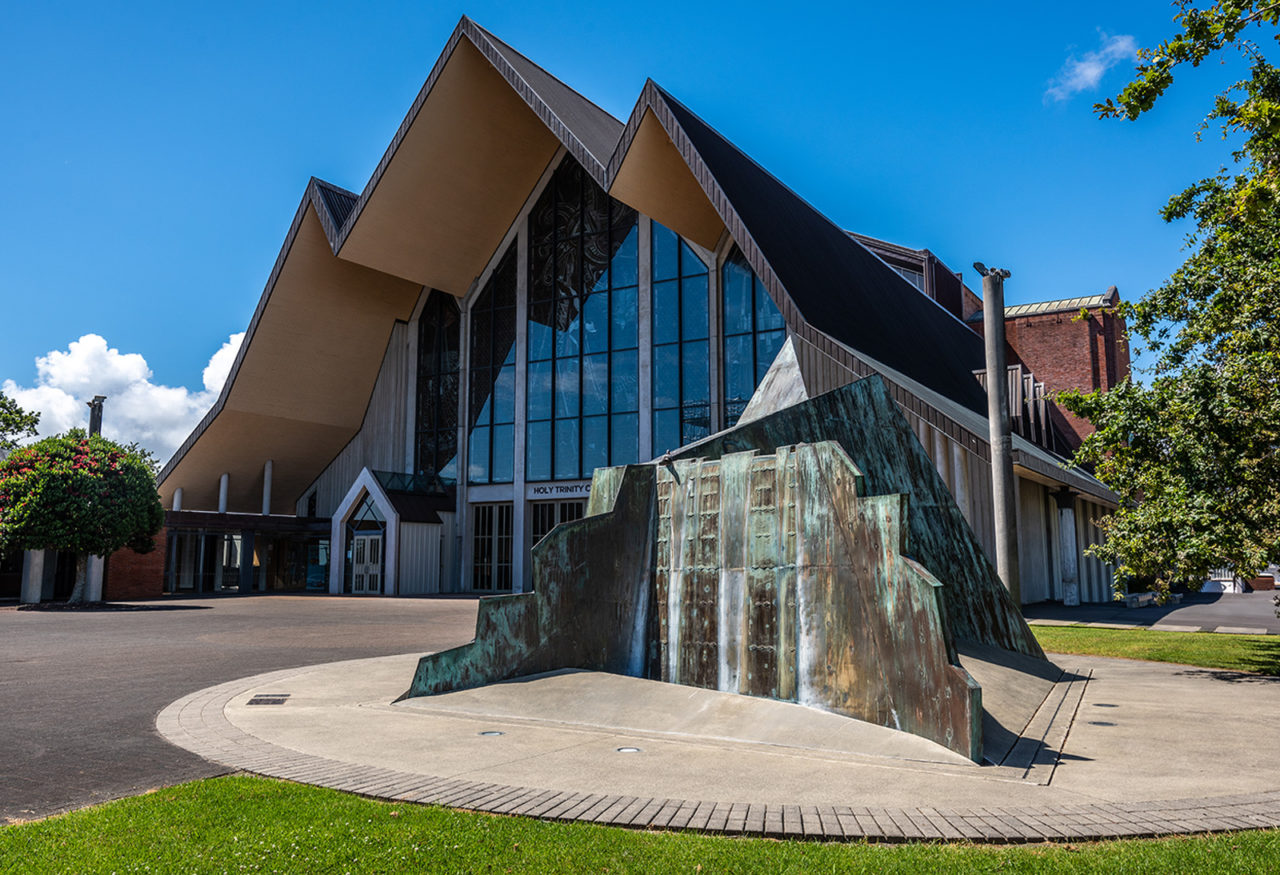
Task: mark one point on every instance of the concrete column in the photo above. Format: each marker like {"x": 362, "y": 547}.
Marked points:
{"x": 224, "y": 482}
{"x": 177, "y": 498}
{"x": 1067, "y": 546}
{"x": 93, "y": 579}
{"x": 266, "y": 487}
{"x": 644, "y": 372}
{"x": 715, "y": 345}
{"x": 521, "y": 560}
{"x": 32, "y": 576}
{"x": 461, "y": 583}
{"x": 1005, "y": 507}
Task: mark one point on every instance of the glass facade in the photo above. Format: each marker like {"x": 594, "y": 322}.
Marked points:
{"x": 583, "y": 370}
{"x": 492, "y": 402}
{"x": 712, "y": 333}
{"x": 211, "y": 561}
{"x": 439, "y": 348}
{"x": 681, "y": 343}
{"x": 753, "y": 333}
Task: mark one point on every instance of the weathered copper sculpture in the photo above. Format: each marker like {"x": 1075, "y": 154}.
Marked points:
{"x": 812, "y": 555}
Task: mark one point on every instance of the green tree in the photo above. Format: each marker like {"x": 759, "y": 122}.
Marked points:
{"x": 1194, "y": 454}
{"x": 81, "y": 493}
{"x": 15, "y": 423}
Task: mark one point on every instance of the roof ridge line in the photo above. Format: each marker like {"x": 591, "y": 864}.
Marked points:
{"x": 516, "y": 73}
{"x": 499, "y": 39}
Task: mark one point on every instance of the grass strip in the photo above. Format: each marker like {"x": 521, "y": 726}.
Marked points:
{"x": 249, "y": 824}
{"x": 1246, "y": 653}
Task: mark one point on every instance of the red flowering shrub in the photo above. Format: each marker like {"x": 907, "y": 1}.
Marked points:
{"x": 78, "y": 492}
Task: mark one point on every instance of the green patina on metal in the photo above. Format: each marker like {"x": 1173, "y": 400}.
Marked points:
{"x": 865, "y": 421}
{"x": 589, "y": 608}
{"x": 771, "y": 560}
{"x": 835, "y": 618}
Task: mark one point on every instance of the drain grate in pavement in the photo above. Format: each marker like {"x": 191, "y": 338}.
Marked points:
{"x": 268, "y": 698}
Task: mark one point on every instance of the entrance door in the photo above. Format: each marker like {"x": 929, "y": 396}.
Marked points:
{"x": 366, "y": 563}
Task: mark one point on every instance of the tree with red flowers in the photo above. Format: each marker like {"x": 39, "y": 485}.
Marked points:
{"x": 79, "y": 493}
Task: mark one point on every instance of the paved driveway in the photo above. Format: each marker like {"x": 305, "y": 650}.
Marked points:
{"x": 1206, "y": 612}
{"x": 79, "y": 691}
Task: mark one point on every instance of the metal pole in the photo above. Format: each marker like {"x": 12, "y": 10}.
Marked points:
{"x": 95, "y": 414}
{"x": 1002, "y": 483}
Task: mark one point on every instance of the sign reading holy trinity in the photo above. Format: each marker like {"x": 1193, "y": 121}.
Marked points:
{"x": 544, "y": 491}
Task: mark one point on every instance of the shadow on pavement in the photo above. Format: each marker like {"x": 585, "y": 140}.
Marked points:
{"x": 1230, "y": 677}
{"x": 108, "y": 606}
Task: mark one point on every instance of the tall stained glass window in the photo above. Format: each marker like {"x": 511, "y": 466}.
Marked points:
{"x": 436, "y": 450}
{"x": 753, "y": 333}
{"x": 491, "y": 407}
{"x": 681, "y": 345}
{"x": 583, "y": 398}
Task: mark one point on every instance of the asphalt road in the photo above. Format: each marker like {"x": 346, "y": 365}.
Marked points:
{"x": 1207, "y": 611}
{"x": 79, "y": 690}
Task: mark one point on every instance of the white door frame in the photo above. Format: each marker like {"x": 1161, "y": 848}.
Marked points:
{"x": 365, "y": 484}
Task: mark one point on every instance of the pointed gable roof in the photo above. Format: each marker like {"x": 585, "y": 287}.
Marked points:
{"x": 583, "y": 121}
{"x": 485, "y": 125}
{"x": 837, "y": 284}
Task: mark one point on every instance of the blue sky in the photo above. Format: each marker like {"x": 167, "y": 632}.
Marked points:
{"x": 154, "y": 153}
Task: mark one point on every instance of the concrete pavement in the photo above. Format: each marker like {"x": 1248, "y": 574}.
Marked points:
{"x": 1139, "y": 749}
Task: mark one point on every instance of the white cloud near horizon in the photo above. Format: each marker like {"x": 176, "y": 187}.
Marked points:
{"x": 156, "y": 416}
{"x": 1085, "y": 73}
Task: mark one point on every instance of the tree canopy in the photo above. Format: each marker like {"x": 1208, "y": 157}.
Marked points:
{"x": 81, "y": 493}
{"x": 1194, "y": 452}
{"x": 15, "y": 423}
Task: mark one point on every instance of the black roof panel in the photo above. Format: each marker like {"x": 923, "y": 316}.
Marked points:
{"x": 839, "y": 286}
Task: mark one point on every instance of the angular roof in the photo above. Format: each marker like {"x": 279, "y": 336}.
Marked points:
{"x": 338, "y": 201}
{"x": 485, "y": 126}
{"x": 592, "y": 126}
{"x": 839, "y": 286}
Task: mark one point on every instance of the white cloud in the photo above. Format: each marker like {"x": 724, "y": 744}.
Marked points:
{"x": 156, "y": 416}
{"x": 1085, "y": 73}
{"x": 219, "y": 367}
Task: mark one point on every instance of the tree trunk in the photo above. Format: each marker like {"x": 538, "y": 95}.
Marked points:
{"x": 82, "y": 579}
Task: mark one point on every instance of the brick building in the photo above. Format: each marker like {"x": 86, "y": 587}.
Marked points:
{"x": 1077, "y": 343}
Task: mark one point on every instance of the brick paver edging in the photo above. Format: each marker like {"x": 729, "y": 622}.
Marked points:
{"x": 198, "y": 723}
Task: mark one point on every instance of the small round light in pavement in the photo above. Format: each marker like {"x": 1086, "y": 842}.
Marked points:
{"x": 490, "y": 733}
{"x": 628, "y": 750}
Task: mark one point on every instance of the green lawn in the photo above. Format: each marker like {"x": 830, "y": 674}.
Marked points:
{"x": 1255, "y": 653}
{"x": 240, "y": 824}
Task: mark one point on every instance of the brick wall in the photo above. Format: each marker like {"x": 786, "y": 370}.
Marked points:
{"x": 131, "y": 575}
{"x": 1066, "y": 351}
